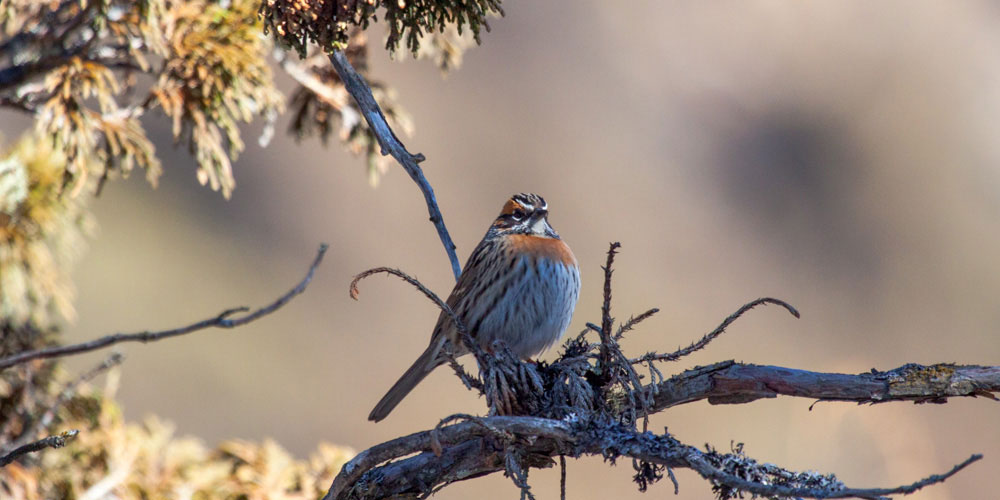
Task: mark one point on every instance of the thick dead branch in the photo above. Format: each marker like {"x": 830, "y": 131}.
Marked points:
{"x": 391, "y": 145}
{"x": 474, "y": 450}
{"x": 730, "y": 383}
{"x": 225, "y": 319}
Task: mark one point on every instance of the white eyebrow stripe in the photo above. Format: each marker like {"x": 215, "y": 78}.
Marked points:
{"x": 524, "y": 201}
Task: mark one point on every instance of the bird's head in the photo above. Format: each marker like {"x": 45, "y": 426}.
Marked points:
{"x": 525, "y": 213}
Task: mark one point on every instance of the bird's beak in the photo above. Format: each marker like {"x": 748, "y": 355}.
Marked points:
{"x": 540, "y": 224}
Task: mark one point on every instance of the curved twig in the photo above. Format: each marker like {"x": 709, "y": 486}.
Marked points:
{"x": 633, "y": 321}
{"x": 223, "y": 320}
{"x": 466, "y": 338}
{"x": 701, "y": 343}
{"x": 391, "y": 145}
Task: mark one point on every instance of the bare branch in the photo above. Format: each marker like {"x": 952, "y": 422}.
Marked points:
{"x": 355, "y": 291}
{"x": 633, "y": 321}
{"x": 606, "y": 318}
{"x": 391, "y": 145}
{"x": 471, "y": 455}
{"x": 927, "y": 481}
{"x": 562, "y": 477}
{"x": 700, "y": 344}
{"x": 825, "y": 489}
{"x": 473, "y": 346}
{"x": 223, "y": 320}
{"x": 734, "y": 383}
{"x": 49, "y": 442}
{"x": 452, "y": 434}
{"x": 608, "y": 344}
{"x": 470, "y": 381}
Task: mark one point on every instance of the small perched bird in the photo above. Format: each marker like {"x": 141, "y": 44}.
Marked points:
{"x": 520, "y": 285}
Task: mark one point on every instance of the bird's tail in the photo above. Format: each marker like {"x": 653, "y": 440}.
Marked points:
{"x": 422, "y": 367}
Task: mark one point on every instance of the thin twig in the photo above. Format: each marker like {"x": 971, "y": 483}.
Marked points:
{"x": 472, "y": 345}
{"x": 391, "y": 145}
{"x": 673, "y": 479}
{"x": 606, "y": 319}
{"x": 49, "y": 442}
{"x": 927, "y": 481}
{"x": 470, "y": 381}
{"x": 562, "y": 477}
{"x": 708, "y": 471}
{"x": 223, "y": 320}
{"x": 633, "y": 321}
{"x": 607, "y": 340}
{"x": 355, "y": 291}
{"x": 704, "y": 341}
{"x": 518, "y": 474}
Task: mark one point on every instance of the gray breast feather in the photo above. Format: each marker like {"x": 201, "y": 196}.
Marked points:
{"x": 535, "y": 309}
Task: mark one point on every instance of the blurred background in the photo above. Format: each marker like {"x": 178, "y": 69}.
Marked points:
{"x": 841, "y": 156}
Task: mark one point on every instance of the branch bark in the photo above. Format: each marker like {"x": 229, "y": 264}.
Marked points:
{"x": 391, "y": 145}
{"x": 477, "y": 447}
{"x": 472, "y": 448}
{"x": 731, "y": 383}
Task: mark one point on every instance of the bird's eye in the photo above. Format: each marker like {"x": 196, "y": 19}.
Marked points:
{"x": 518, "y": 215}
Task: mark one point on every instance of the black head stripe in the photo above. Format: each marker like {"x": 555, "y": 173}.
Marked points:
{"x": 530, "y": 201}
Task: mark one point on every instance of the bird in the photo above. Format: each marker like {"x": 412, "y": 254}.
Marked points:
{"x": 520, "y": 285}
